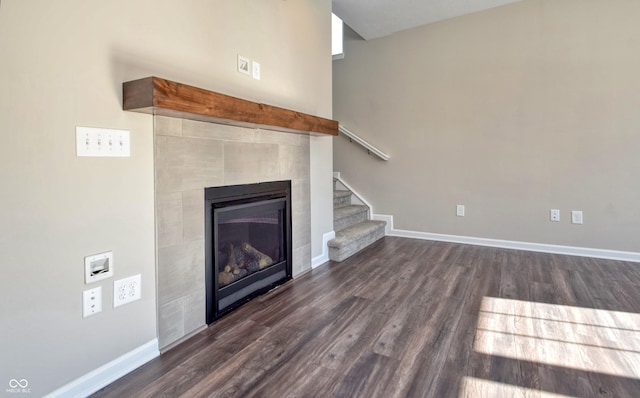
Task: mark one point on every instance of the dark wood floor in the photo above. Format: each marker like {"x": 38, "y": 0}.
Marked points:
{"x": 412, "y": 318}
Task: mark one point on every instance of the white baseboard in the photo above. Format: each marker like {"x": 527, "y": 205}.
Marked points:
{"x": 108, "y": 373}
{"x": 324, "y": 257}
{"x": 388, "y": 219}
{"x": 509, "y": 244}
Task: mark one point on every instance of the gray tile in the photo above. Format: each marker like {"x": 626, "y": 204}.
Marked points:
{"x": 184, "y": 164}
{"x": 277, "y": 137}
{"x": 163, "y": 125}
{"x": 301, "y": 260}
{"x": 180, "y": 270}
{"x": 181, "y": 280}
{"x": 171, "y": 273}
{"x": 170, "y": 322}
{"x": 300, "y": 213}
{"x": 305, "y": 140}
{"x": 301, "y": 231}
{"x": 193, "y": 214}
{"x": 169, "y": 218}
{"x": 294, "y": 162}
{"x": 192, "y": 128}
{"x": 194, "y": 310}
{"x": 301, "y": 196}
{"x": 249, "y": 163}
{"x": 193, "y": 271}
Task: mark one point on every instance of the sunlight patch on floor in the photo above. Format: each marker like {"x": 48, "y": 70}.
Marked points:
{"x": 595, "y": 340}
{"x": 479, "y": 388}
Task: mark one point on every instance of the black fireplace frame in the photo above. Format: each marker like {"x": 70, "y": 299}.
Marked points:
{"x": 233, "y": 195}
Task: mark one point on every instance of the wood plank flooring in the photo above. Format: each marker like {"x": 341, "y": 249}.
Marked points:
{"x": 412, "y": 318}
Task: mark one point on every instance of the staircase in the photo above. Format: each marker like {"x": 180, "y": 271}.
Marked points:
{"x": 354, "y": 230}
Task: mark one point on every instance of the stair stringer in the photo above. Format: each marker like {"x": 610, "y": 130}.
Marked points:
{"x": 356, "y": 198}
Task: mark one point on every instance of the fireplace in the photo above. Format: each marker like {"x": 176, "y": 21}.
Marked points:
{"x": 191, "y": 156}
{"x": 247, "y": 243}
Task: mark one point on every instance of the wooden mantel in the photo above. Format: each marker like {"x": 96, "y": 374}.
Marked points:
{"x": 166, "y": 98}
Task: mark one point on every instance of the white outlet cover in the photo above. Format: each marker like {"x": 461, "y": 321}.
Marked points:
{"x": 127, "y": 290}
{"x": 91, "y": 301}
{"x": 576, "y": 217}
{"x": 460, "y": 210}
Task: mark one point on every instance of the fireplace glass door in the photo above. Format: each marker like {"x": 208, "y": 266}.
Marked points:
{"x": 250, "y": 239}
{"x": 249, "y": 243}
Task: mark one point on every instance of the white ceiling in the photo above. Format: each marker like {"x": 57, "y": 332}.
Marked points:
{"x": 377, "y": 18}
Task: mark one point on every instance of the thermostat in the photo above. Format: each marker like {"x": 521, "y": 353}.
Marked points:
{"x": 98, "y": 267}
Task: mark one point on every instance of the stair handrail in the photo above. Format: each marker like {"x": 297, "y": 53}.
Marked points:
{"x": 370, "y": 148}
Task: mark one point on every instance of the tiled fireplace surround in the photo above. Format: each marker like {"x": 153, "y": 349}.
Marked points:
{"x": 192, "y": 155}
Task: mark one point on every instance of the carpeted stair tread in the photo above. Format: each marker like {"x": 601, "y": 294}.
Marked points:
{"x": 347, "y": 211}
{"x": 348, "y": 215}
{"x": 355, "y": 232}
{"x": 351, "y": 240}
{"x": 341, "y": 199}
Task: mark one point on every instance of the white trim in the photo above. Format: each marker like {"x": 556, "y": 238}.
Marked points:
{"x": 353, "y": 137}
{"x": 354, "y": 193}
{"x": 108, "y": 373}
{"x": 509, "y": 244}
{"x": 324, "y": 257}
{"x": 385, "y": 218}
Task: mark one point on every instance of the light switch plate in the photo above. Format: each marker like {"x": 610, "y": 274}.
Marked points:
{"x": 256, "y": 70}
{"x": 99, "y": 142}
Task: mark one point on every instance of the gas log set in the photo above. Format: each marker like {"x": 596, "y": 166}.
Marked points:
{"x": 240, "y": 260}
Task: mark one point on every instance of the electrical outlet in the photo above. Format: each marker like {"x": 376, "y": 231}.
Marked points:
{"x": 91, "y": 301}
{"x": 554, "y": 215}
{"x": 127, "y": 290}
{"x": 576, "y": 217}
{"x": 460, "y": 210}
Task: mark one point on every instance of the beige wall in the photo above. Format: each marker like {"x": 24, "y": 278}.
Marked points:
{"x": 62, "y": 65}
{"x": 511, "y": 112}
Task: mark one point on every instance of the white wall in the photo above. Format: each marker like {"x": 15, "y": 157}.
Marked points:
{"x": 321, "y": 191}
{"x": 62, "y": 65}
{"x": 512, "y": 112}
